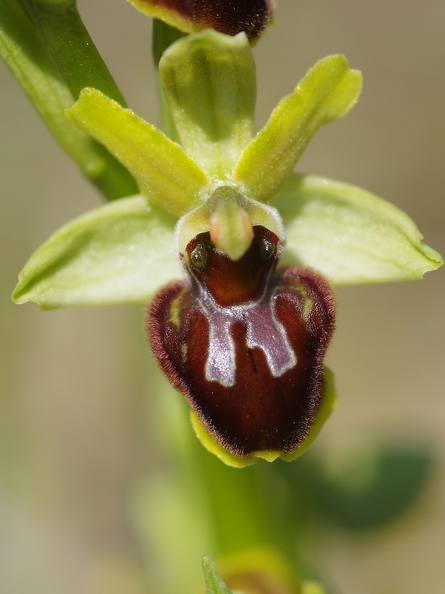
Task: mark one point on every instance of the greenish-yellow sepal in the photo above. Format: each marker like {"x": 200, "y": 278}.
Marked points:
{"x": 349, "y": 234}
{"x": 209, "y": 82}
{"x": 122, "y": 252}
{"x": 164, "y": 172}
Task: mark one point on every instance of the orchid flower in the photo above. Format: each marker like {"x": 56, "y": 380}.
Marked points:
{"x": 217, "y": 212}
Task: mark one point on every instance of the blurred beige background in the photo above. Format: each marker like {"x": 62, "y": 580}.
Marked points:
{"x": 74, "y": 384}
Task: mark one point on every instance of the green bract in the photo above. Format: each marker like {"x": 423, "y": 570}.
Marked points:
{"x": 219, "y": 180}
{"x": 213, "y": 581}
{"x": 257, "y": 566}
{"x": 250, "y": 568}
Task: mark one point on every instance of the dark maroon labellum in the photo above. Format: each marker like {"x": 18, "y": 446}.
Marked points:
{"x": 234, "y": 16}
{"x": 245, "y": 343}
{"x": 226, "y": 16}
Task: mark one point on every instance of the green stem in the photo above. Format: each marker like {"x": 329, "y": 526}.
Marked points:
{"x": 237, "y": 503}
{"x": 264, "y": 505}
{"x": 293, "y": 505}
{"x": 163, "y": 37}
{"x": 26, "y": 56}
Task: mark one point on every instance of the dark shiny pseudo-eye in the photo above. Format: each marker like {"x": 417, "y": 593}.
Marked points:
{"x": 245, "y": 343}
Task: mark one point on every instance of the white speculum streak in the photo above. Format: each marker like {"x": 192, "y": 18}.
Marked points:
{"x": 263, "y": 330}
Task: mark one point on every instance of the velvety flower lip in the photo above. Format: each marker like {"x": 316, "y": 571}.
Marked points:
{"x": 245, "y": 343}
{"x": 225, "y": 16}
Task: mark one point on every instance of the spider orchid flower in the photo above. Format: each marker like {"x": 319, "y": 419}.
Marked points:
{"x": 234, "y": 250}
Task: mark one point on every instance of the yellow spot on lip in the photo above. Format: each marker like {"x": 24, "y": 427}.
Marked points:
{"x": 174, "y": 311}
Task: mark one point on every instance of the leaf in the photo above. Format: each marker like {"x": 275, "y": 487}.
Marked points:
{"x": 71, "y": 47}
{"x": 165, "y": 174}
{"x": 213, "y": 581}
{"x": 348, "y": 234}
{"x": 119, "y": 253}
{"x": 372, "y": 486}
{"x": 25, "y": 55}
{"x": 209, "y": 83}
{"x": 327, "y": 92}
